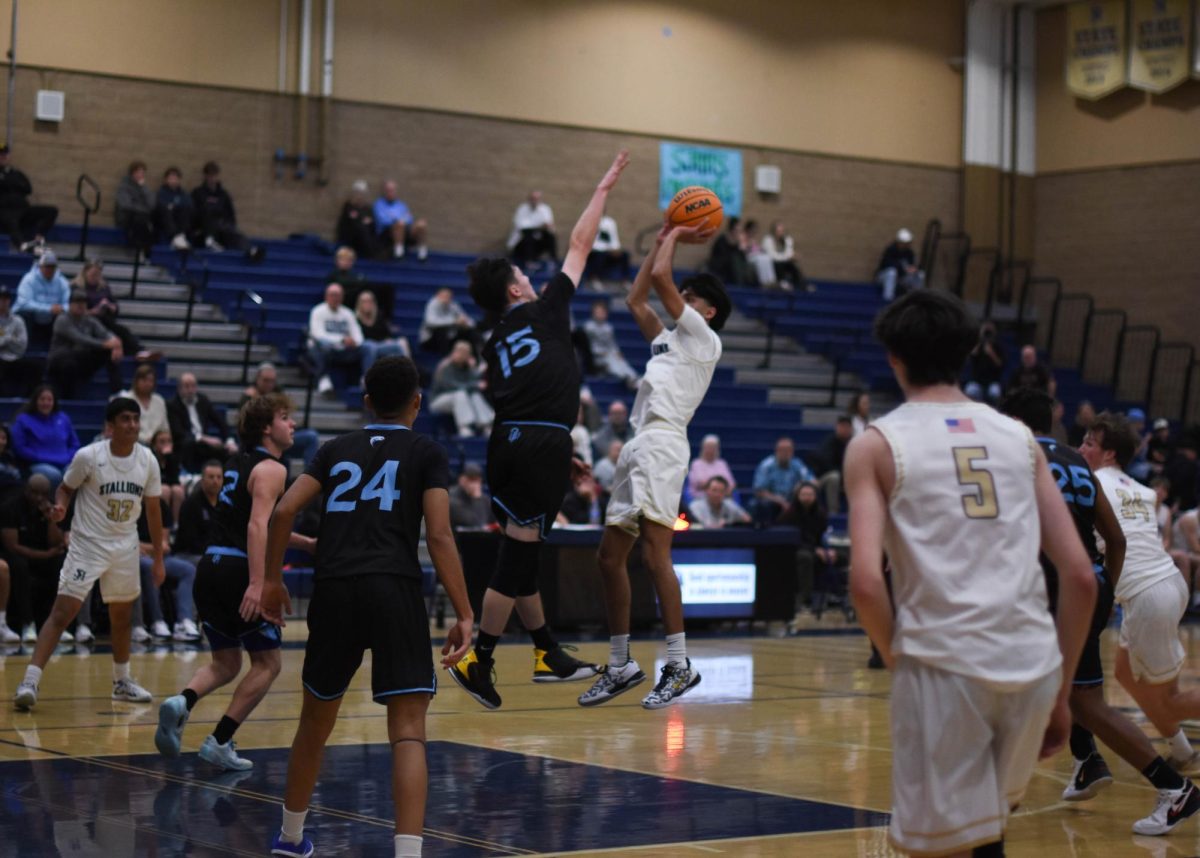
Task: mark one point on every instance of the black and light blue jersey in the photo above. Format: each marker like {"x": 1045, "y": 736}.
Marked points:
{"x": 231, "y": 516}
{"x": 1079, "y": 488}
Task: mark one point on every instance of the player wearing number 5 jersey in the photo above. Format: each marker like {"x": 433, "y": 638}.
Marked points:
{"x": 959, "y": 497}
{"x": 109, "y": 481}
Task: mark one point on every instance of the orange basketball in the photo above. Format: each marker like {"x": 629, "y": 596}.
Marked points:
{"x": 695, "y": 206}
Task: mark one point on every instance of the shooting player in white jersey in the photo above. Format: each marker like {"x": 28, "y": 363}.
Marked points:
{"x": 109, "y": 480}
{"x": 959, "y": 497}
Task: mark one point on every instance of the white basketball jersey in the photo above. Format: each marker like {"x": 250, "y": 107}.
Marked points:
{"x": 108, "y": 495}
{"x": 681, "y": 365}
{"x": 962, "y": 537}
{"x": 1146, "y": 561}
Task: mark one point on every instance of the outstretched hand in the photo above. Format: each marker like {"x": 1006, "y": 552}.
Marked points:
{"x": 698, "y": 234}
{"x": 614, "y": 172}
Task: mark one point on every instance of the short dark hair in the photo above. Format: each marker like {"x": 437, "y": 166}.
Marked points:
{"x": 1113, "y": 432}
{"x": 711, "y": 289}
{"x": 844, "y": 418}
{"x": 134, "y": 166}
{"x": 172, "y": 170}
{"x": 490, "y": 278}
{"x": 211, "y": 168}
{"x": 257, "y": 414}
{"x": 931, "y": 333}
{"x": 717, "y": 478}
{"x": 211, "y": 463}
{"x": 121, "y": 405}
{"x": 391, "y": 383}
{"x": 1033, "y": 407}
{"x": 145, "y": 370}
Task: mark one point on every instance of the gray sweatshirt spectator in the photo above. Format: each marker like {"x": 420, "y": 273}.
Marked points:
{"x": 14, "y": 339}
{"x": 79, "y": 346}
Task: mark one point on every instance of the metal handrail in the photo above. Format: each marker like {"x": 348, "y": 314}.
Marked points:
{"x": 769, "y": 346}
{"x": 191, "y": 305}
{"x": 1120, "y": 341}
{"x": 88, "y": 210}
{"x": 257, "y": 300}
{"x": 998, "y": 270}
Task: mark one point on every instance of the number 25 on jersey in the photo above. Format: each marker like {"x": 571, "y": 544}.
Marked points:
{"x": 381, "y": 487}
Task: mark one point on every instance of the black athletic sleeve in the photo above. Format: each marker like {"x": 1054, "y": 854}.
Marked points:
{"x": 558, "y": 294}
{"x": 435, "y": 474}
{"x": 318, "y": 468}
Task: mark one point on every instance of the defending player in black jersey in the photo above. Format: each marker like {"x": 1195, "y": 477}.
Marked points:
{"x": 229, "y": 582}
{"x": 1092, "y": 715}
{"x": 377, "y": 483}
{"x": 533, "y": 381}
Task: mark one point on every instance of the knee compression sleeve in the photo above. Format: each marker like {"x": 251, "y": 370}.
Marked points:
{"x": 516, "y": 568}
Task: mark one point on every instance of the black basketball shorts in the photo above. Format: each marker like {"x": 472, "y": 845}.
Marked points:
{"x": 1091, "y": 670}
{"x": 221, "y": 582}
{"x": 529, "y": 472}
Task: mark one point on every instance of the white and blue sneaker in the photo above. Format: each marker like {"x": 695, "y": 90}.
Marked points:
{"x": 611, "y": 682}
{"x": 224, "y": 756}
{"x": 26, "y": 696}
{"x": 303, "y": 849}
{"x": 172, "y": 715}
{"x": 130, "y": 691}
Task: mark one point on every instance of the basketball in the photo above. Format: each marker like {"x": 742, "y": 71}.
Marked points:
{"x": 695, "y": 206}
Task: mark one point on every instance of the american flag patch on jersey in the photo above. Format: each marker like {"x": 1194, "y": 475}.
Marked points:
{"x": 964, "y": 425}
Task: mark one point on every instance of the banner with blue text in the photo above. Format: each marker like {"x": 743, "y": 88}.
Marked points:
{"x": 720, "y": 170}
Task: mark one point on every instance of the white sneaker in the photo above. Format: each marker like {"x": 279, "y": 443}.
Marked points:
{"x": 185, "y": 630}
{"x": 398, "y": 251}
{"x": 83, "y": 634}
{"x": 66, "y": 637}
{"x": 26, "y": 696}
{"x": 7, "y": 635}
{"x": 224, "y": 756}
{"x": 29, "y": 634}
{"x": 139, "y": 634}
{"x": 324, "y": 385}
{"x": 180, "y": 242}
{"x": 674, "y": 681}
{"x": 612, "y": 681}
{"x": 422, "y": 253}
{"x": 127, "y": 689}
{"x": 160, "y": 630}
{"x": 1173, "y": 807}
{"x": 212, "y": 244}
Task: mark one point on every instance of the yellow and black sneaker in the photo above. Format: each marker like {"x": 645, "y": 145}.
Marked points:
{"x": 478, "y": 679}
{"x": 556, "y": 665}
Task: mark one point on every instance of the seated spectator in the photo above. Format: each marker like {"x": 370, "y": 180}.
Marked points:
{"x": 707, "y": 465}
{"x": 17, "y": 372}
{"x": 762, "y": 268}
{"x": 379, "y": 338}
{"x": 828, "y": 461}
{"x": 180, "y": 573}
{"x": 582, "y": 504}
{"x": 154, "y": 407}
{"x": 606, "y": 469}
{"x": 1181, "y": 470}
{"x": 42, "y": 296}
{"x": 470, "y": 506}
{"x": 354, "y": 282}
{"x": 859, "y": 412}
{"x": 806, "y": 515}
{"x": 173, "y": 211}
{"x": 198, "y": 430}
{"x": 606, "y": 353}
{"x": 43, "y": 437}
{"x": 215, "y": 220}
{"x": 334, "y": 338}
{"x": 27, "y": 225}
{"x": 775, "y": 479}
{"x": 7, "y": 635}
{"x": 10, "y": 468}
{"x": 1058, "y": 430}
{"x": 715, "y": 508}
{"x": 532, "y": 238}
{"x": 1139, "y": 465}
{"x": 102, "y": 304}
{"x": 1085, "y": 416}
{"x": 356, "y": 223}
{"x": 616, "y": 428}
{"x": 458, "y": 390}
{"x": 305, "y": 441}
{"x": 581, "y": 436}
{"x": 727, "y": 259}
{"x": 607, "y": 259}
{"x": 194, "y": 524}
{"x": 444, "y": 322}
{"x": 80, "y": 346}
{"x": 397, "y": 230}
{"x": 1031, "y": 373}
{"x": 1161, "y": 446}
{"x": 897, "y": 271}
{"x": 986, "y": 364}
{"x": 780, "y": 250}
{"x": 34, "y": 548}
{"x": 169, "y": 470}
{"x": 134, "y": 210}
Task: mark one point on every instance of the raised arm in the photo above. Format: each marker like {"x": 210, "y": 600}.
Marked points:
{"x": 583, "y": 236}
{"x": 662, "y": 276}
{"x": 638, "y": 299}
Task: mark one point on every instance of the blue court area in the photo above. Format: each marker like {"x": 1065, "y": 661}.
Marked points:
{"x": 481, "y": 803}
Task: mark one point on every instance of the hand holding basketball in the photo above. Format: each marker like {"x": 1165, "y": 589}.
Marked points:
{"x": 696, "y": 206}
{"x": 697, "y": 234}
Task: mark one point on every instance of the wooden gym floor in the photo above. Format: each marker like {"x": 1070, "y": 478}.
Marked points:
{"x": 782, "y": 750}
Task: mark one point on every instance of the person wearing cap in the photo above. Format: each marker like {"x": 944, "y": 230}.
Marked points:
{"x": 470, "y": 505}
{"x": 16, "y": 371}
{"x": 898, "y": 267}
{"x": 79, "y": 346}
{"x": 25, "y": 224}
{"x": 173, "y": 212}
{"x": 42, "y": 294}
{"x": 356, "y": 223}
{"x": 397, "y": 229}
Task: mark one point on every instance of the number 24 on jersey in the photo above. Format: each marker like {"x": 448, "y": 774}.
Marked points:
{"x": 380, "y": 487}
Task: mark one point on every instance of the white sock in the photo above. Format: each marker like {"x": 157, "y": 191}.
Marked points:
{"x": 676, "y": 649}
{"x": 1181, "y": 748}
{"x": 618, "y": 651}
{"x": 120, "y": 671}
{"x": 407, "y": 845}
{"x": 3, "y": 618}
{"x": 33, "y": 674}
{"x": 293, "y": 825}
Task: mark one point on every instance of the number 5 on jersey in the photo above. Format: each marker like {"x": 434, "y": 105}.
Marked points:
{"x": 381, "y": 487}
{"x": 517, "y": 349}
{"x": 982, "y": 502}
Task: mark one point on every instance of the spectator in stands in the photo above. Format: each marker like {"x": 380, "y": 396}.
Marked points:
{"x": 761, "y": 265}
{"x": 180, "y": 573}
{"x": 305, "y": 441}
{"x": 43, "y": 437}
{"x": 470, "y": 506}
{"x": 1085, "y": 416}
{"x": 1163, "y": 512}
{"x": 1161, "y": 446}
{"x": 806, "y": 515}
{"x": 134, "y": 209}
{"x": 379, "y": 337}
{"x": 154, "y": 407}
{"x": 607, "y": 260}
{"x": 606, "y": 352}
{"x": 444, "y": 322}
{"x": 170, "y": 472}
{"x": 194, "y": 525}
{"x": 34, "y": 548}
{"x": 17, "y": 372}
{"x": 334, "y": 338}
{"x": 715, "y": 508}
{"x": 1058, "y": 430}
{"x": 859, "y": 412}
{"x": 605, "y": 469}
{"x": 1181, "y": 470}
{"x": 780, "y": 250}
{"x": 581, "y": 436}
{"x": 532, "y": 238}
{"x": 353, "y": 282}
{"x": 582, "y": 505}
{"x": 198, "y": 430}
{"x": 897, "y": 271}
{"x": 102, "y": 304}
{"x": 173, "y": 211}
{"x": 1031, "y": 373}
{"x": 80, "y": 346}
{"x": 215, "y": 219}
{"x": 356, "y": 223}
{"x": 616, "y": 428}
{"x": 707, "y": 465}
{"x": 1139, "y": 465}
{"x": 27, "y": 225}
{"x": 776, "y": 478}
{"x": 458, "y": 390}
{"x": 42, "y": 295}
{"x": 727, "y": 260}
{"x": 828, "y": 461}
{"x": 987, "y": 366}
{"x": 397, "y": 230}
{"x": 10, "y": 468}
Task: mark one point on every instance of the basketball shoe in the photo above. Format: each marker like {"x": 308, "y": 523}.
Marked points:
{"x": 611, "y": 682}
{"x": 1090, "y": 777}
{"x": 1174, "y": 806}
{"x": 557, "y": 665}
{"x": 674, "y": 681}
{"x": 303, "y": 849}
{"x": 477, "y": 678}
{"x": 224, "y": 756}
{"x": 172, "y": 715}
{"x": 130, "y": 691}
{"x": 26, "y": 696}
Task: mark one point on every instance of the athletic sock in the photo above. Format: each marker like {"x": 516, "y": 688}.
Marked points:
{"x": 1083, "y": 745}
{"x": 1181, "y": 748}
{"x": 1162, "y": 776}
{"x": 120, "y": 671}
{"x": 676, "y": 649}
{"x": 485, "y": 645}
{"x": 542, "y": 639}
{"x": 33, "y": 674}
{"x": 189, "y": 697}
{"x": 226, "y": 727}
{"x": 3, "y": 618}
{"x": 293, "y": 825}
{"x": 407, "y": 845}
{"x": 618, "y": 651}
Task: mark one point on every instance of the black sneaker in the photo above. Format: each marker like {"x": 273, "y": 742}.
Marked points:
{"x": 1091, "y": 776}
{"x": 557, "y": 665}
{"x": 674, "y": 681}
{"x": 477, "y": 679}
{"x": 1174, "y": 806}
